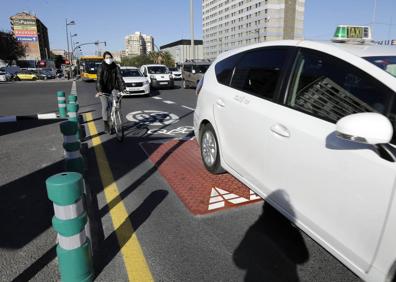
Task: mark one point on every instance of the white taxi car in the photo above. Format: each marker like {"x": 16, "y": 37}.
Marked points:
{"x": 309, "y": 127}
{"x": 135, "y": 82}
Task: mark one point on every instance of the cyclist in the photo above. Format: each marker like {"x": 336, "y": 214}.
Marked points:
{"x": 108, "y": 79}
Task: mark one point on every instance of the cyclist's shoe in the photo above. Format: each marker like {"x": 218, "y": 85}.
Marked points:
{"x": 106, "y": 127}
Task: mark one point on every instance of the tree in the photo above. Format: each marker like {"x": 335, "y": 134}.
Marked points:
{"x": 136, "y": 61}
{"x": 162, "y": 57}
{"x": 10, "y": 48}
{"x": 167, "y": 59}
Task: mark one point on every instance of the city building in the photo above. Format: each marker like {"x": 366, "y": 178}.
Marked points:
{"x": 181, "y": 50}
{"x": 228, "y": 24}
{"x": 59, "y": 52}
{"x": 138, "y": 44}
{"x": 33, "y": 34}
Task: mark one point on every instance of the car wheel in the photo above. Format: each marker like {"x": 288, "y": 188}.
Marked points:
{"x": 184, "y": 84}
{"x": 210, "y": 150}
{"x": 17, "y": 79}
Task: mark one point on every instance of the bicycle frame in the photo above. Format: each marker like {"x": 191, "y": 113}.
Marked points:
{"x": 115, "y": 120}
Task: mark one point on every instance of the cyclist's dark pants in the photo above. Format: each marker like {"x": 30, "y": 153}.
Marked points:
{"x": 105, "y": 101}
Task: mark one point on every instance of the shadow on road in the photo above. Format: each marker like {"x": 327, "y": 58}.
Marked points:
{"x": 12, "y": 127}
{"x": 272, "y": 247}
{"x": 25, "y": 211}
{"x": 118, "y": 238}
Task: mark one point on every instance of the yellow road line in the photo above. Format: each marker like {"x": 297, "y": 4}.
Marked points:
{"x": 134, "y": 260}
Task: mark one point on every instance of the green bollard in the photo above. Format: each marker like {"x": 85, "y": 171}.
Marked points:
{"x": 72, "y": 146}
{"x": 72, "y": 99}
{"x": 61, "y": 103}
{"x": 72, "y": 111}
{"x": 65, "y": 190}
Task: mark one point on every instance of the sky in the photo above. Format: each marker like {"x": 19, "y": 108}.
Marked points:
{"x": 168, "y": 20}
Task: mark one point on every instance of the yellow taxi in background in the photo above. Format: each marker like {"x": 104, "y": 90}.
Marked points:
{"x": 26, "y": 75}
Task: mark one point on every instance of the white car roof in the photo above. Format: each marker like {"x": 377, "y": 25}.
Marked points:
{"x": 360, "y": 50}
{"x": 128, "y": 68}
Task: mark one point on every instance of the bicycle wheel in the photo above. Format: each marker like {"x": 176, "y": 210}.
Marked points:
{"x": 119, "y": 128}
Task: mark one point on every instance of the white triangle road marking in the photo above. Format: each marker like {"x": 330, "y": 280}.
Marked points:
{"x": 219, "y": 196}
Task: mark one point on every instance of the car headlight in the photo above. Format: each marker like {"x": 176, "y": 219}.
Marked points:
{"x": 145, "y": 82}
{"x": 152, "y": 76}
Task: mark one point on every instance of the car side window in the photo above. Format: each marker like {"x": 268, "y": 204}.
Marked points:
{"x": 330, "y": 88}
{"x": 225, "y": 68}
{"x": 258, "y": 71}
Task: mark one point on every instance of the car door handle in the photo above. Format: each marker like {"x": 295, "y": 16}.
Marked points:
{"x": 220, "y": 103}
{"x": 281, "y": 130}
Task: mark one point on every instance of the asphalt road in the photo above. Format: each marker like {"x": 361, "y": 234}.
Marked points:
{"x": 249, "y": 243}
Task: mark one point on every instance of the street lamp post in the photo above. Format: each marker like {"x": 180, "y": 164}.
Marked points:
{"x": 71, "y": 55}
{"x": 67, "y": 39}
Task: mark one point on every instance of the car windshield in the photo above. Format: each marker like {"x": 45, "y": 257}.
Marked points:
{"x": 387, "y": 63}
{"x": 173, "y": 69}
{"x": 157, "y": 70}
{"x": 201, "y": 68}
{"x": 130, "y": 73}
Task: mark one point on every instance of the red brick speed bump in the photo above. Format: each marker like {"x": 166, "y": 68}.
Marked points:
{"x": 179, "y": 162}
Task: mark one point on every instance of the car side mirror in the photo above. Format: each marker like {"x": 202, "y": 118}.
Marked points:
{"x": 193, "y": 71}
{"x": 367, "y": 128}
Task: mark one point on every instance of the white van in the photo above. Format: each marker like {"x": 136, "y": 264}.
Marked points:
{"x": 158, "y": 76}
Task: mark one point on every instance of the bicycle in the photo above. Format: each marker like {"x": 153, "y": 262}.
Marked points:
{"x": 114, "y": 115}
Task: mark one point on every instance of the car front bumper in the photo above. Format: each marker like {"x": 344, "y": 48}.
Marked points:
{"x": 143, "y": 90}
{"x": 162, "y": 83}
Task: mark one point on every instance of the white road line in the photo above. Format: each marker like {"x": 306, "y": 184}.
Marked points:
{"x": 157, "y": 98}
{"x": 188, "y": 108}
{"x": 169, "y": 102}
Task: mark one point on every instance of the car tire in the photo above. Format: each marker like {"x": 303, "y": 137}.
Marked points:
{"x": 185, "y": 84}
{"x": 17, "y": 79}
{"x": 209, "y": 147}
{"x": 34, "y": 79}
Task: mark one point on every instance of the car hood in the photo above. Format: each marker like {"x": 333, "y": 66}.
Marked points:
{"x": 134, "y": 79}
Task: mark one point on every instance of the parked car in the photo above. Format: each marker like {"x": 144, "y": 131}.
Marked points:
{"x": 4, "y": 76}
{"x": 158, "y": 76}
{"x": 193, "y": 71}
{"x": 176, "y": 73}
{"x": 26, "y": 75}
{"x": 44, "y": 74}
{"x": 309, "y": 127}
{"x": 135, "y": 82}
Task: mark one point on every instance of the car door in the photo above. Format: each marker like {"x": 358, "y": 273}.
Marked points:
{"x": 241, "y": 108}
{"x": 339, "y": 190}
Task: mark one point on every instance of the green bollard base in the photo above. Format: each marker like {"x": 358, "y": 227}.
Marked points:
{"x": 76, "y": 264}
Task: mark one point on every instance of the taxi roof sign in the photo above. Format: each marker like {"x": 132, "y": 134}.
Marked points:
{"x": 346, "y": 33}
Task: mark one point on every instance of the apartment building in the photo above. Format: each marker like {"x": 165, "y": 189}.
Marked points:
{"x": 33, "y": 34}
{"x": 228, "y": 24}
{"x": 138, "y": 44}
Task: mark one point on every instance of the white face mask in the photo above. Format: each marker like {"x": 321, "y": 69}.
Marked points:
{"x": 108, "y": 61}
